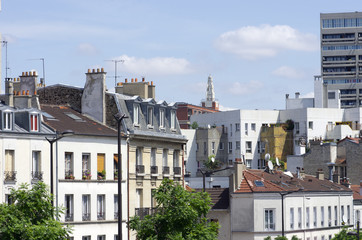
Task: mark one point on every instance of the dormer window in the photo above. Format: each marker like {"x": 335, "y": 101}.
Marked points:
{"x": 136, "y": 114}
{"x": 7, "y": 121}
{"x": 162, "y": 118}
{"x": 34, "y": 122}
{"x": 173, "y": 119}
{"x": 150, "y": 116}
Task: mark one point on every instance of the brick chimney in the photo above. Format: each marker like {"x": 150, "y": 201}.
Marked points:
{"x": 94, "y": 93}
{"x": 238, "y": 176}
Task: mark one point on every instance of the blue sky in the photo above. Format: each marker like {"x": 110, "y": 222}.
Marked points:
{"x": 256, "y": 51}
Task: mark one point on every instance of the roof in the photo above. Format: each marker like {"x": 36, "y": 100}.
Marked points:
{"x": 356, "y": 192}
{"x": 63, "y": 118}
{"x": 261, "y": 181}
{"x": 219, "y": 197}
{"x": 350, "y": 139}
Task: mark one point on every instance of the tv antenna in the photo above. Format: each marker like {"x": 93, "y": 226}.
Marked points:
{"x": 5, "y": 43}
{"x": 115, "y": 69}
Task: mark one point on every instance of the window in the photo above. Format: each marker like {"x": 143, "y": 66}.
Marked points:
{"x": 86, "y": 238}
{"x": 248, "y": 146}
{"x": 150, "y": 116}
{"x": 237, "y": 145}
{"x": 197, "y": 147}
{"x": 213, "y": 147}
{"x": 296, "y": 125}
{"x": 248, "y": 163}
{"x": 101, "y": 166}
{"x": 237, "y": 127}
{"x": 231, "y": 130}
{"x": 315, "y": 216}
{"x": 310, "y": 125}
{"x": 230, "y": 147}
{"x": 162, "y": 118}
{"x": 331, "y": 95}
{"x": 348, "y": 214}
{"x": 322, "y": 216}
{"x": 86, "y": 170}
{"x": 36, "y": 173}
{"x": 8, "y": 121}
{"x": 139, "y": 198}
{"x": 34, "y": 123}
{"x": 164, "y": 158}
{"x": 253, "y": 127}
{"x": 307, "y": 219}
{"x": 10, "y": 174}
{"x": 342, "y": 212}
{"x": 176, "y": 158}
{"x": 221, "y": 146}
{"x": 205, "y": 148}
{"x": 299, "y": 217}
{"x": 291, "y": 218}
{"x": 101, "y": 213}
{"x": 101, "y": 237}
{"x": 116, "y": 237}
{"x": 68, "y": 165}
{"x": 246, "y": 129}
{"x": 139, "y": 160}
{"x": 173, "y": 119}
{"x": 269, "y": 219}
{"x": 68, "y": 202}
{"x": 153, "y": 157}
{"x": 136, "y": 114}
{"x": 86, "y": 216}
{"x": 230, "y": 162}
{"x": 335, "y": 216}
{"x": 329, "y": 216}
{"x": 115, "y": 205}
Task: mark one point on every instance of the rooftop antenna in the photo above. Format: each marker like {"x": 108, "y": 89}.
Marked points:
{"x": 115, "y": 69}
{"x": 42, "y": 80}
{"x": 5, "y": 43}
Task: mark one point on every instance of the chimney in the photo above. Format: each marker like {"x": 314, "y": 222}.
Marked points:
{"x": 28, "y": 82}
{"x": 286, "y": 96}
{"x": 330, "y": 167}
{"x": 302, "y": 173}
{"x": 360, "y": 188}
{"x": 9, "y": 92}
{"x": 320, "y": 174}
{"x": 238, "y": 176}
{"x": 297, "y": 95}
{"x": 94, "y": 93}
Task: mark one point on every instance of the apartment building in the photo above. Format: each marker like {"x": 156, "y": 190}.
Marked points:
{"x": 340, "y": 84}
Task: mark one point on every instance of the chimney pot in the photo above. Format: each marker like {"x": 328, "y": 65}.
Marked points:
{"x": 89, "y": 71}
{"x": 102, "y": 70}
{"x": 97, "y": 70}
{"x": 27, "y": 92}
{"x": 26, "y": 73}
{"x": 126, "y": 80}
{"x": 23, "y": 92}
{"x": 135, "y": 80}
{"x": 151, "y": 83}
{"x": 143, "y": 79}
{"x": 93, "y": 70}
{"x": 23, "y": 74}
{"x": 132, "y": 80}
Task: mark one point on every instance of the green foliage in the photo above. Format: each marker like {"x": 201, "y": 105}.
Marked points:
{"x": 290, "y": 124}
{"x": 194, "y": 125}
{"x": 32, "y": 215}
{"x": 281, "y": 238}
{"x": 209, "y": 164}
{"x": 179, "y": 215}
{"x": 268, "y": 238}
{"x": 342, "y": 235}
{"x": 282, "y": 163}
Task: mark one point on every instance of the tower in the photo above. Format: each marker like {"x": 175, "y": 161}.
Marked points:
{"x": 210, "y": 96}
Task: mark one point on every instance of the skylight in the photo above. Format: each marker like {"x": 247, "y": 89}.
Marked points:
{"x": 47, "y": 115}
{"x": 73, "y": 116}
{"x": 259, "y": 183}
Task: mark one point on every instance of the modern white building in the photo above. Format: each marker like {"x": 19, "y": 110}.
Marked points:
{"x": 272, "y": 203}
{"x": 87, "y": 167}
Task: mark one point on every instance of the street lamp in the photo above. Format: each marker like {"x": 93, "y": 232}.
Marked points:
{"x": 51, "y": 141}
{"x": 282, "y": 194}
{"x": 355, "y": 233}
{"x": 119, "y": 117}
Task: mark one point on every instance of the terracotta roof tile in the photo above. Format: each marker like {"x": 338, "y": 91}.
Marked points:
{"x": 356, "y": 191}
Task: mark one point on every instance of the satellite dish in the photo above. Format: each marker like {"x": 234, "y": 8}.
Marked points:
{"x": 212, "y": 159}
{"x": 267, "y": 157}
{"x": 270, "y": 165}
{"x": 277, "y": 162}
{"x": 344, "y": 219}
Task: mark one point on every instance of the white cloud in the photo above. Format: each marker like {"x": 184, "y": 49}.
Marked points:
{"x": 156, "y": 66}
{"x": 238, "y": 88}
{"x": 288, "y": 72}
{"x": 87, "y": 49}
{"x": 252, "y": 42}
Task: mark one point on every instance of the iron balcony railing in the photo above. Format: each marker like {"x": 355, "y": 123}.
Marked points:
{"x": 10, "y": 176}
{"x": 166, "y": 170}
{"x": 69, "y": 217}
{"x": 86, "y": 217}
{"x": 177, "y": 170}
{"x": 101, "y": 216}
{"x": 37, "y": 175}
{"x": 140, "y": 169}
{"x": 154, "y": 170}
{"x": 142, "y": 212}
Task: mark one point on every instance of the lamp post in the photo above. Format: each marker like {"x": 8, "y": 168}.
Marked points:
{"x": 119, "y": 117}
{"x": 355, "y": 233}
{"x": 209, "y": 172}
{"x": 51, "y": 141}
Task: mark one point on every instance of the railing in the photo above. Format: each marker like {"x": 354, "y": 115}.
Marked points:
{"x": 69, "y": 174}
{"x": 166, "y": 170}
{"x": 69, "y": 217}
{"x": 115, "y": 215}
{"x": 154, "y": 170}
{"x": 86, "y": 217}
{"x": 86, "y": 175}
{"x": 142, "y": 212}
{"x": 36, "y": 175}
{"x": 177, "y": 170}
{"x": 140, "y": 169}
{"x": 101, "y": 216}
{"x": 10, "y": 176}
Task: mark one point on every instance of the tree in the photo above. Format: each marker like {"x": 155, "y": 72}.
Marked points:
{"x": 194, "y": 125}
{"x": 342, "y": 235}
{"x": 179, "y": 214}
{"x": 212, "y": 163}
{"x": 31, "y": 216}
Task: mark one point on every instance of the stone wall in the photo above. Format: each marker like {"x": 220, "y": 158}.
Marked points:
{"x": 61, "y": 95}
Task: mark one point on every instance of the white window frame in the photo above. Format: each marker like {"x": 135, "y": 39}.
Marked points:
{"x": 150, "y": 116}
{"x": 322, "y": 216}
{"x": 101, "y": 207}
{"x": 221, "y": 146}
{"x": 246, "y": 129}
{"x": 173, "y": 119}
{"x": 248, "y": 146}
{"x": 237, "y": 145}
{"x": 315, "y": 217}
{"x": 8, "y": 120}
{"x": 213, "y": 147}
{"x": 34, "y": 122}
{"x": 291, "y": 218}
{"x": 307, "y": 217}
{"x": 86, "y": 205}
{"x": 253, "y": 127}
{"x": 176, "y": 158}
{"x": 165, "y": 157}
{"x": 299, "y": 217}
{"x": 162, "y": 118}
{"x": 69, "y": 205}
{"x": 248, "y": 163}
{"x": 136, "y": 114}
{"x": 230, "y": 147}
{"x": 237, "y": 127}
{"x": 139, "y": 157}
{"x": 153, "y": 157}
{"x": 269, "y": 219}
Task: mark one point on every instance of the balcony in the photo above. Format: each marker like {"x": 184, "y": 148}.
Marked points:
{"x": 154, "y": 170}
{"x": 101, "y": 216}
{"x": 69, "y": 217}
{"x": 10, "y": 176}
{"x": 140, "y": 170}
{"x": 69, "y": 175}
{"x": 142, "y": 212}
{"x": 166, "y": 170}
{"x": 115, "y": 215}
{"x": 86, "y": 175}
{"x": 37, "y": 176}
{"x": 177, "y": 171}
{"x": 86, "y": 217}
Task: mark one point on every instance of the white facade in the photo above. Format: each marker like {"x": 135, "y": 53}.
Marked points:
{"x": 249, "y": 220}
{"x": 102, "y": 205}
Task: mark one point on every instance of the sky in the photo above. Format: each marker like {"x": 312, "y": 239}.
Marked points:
{"x": 256, "y": 51}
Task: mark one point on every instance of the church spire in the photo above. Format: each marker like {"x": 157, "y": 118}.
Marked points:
{"x": 210, "y": 94}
